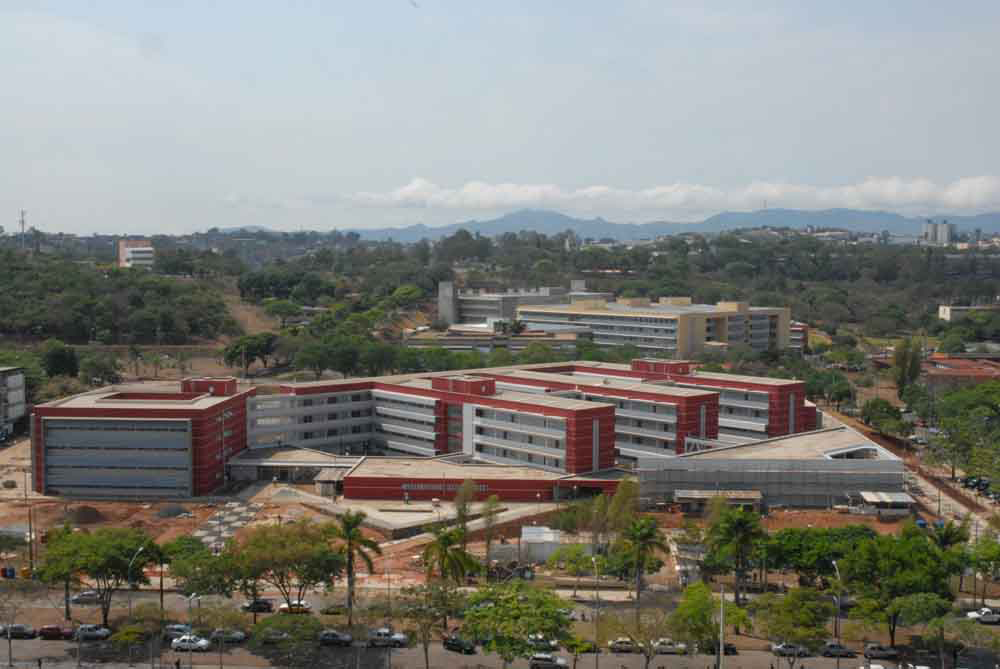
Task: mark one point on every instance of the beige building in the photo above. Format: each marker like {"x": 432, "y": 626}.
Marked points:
{"x": 135, "y": 253}
{"x": 673, "y": 325}
{"x": 949, "y": 312}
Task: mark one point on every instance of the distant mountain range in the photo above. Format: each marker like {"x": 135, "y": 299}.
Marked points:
{"x": 552, "y": 222}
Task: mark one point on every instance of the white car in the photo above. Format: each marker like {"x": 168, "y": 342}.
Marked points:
{"x": 191, "y": 642}
{"x": 668, "y": 647}
{"x": 975, "y": 615}
{"x": 298, "y": 606}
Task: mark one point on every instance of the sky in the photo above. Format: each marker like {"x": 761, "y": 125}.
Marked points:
{"x": 155, "y": 117}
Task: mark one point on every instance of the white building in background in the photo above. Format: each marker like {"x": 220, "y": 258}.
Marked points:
{"x": 12, "y": 399}
{"x": 135, "y": 253}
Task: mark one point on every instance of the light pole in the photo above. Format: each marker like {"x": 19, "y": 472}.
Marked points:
{"x": 597, "y": 609}
{"x": 836, "y": 621}
{"x": 193, "y": 596}
{"x": 130, "y": 588}
{"x": 538, "y": 496}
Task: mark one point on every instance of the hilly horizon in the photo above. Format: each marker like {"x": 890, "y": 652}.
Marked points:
{"x": 553, "y": 222}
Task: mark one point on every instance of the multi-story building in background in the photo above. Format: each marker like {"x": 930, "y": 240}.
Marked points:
{"x": 939, "y": 233}
{"x": 12, "y": 399}
{"x": 135, "y": 253}
{"x": 798, "y": 336}
{"x": 482, "y": 306}
{"x": 673, "y": 326}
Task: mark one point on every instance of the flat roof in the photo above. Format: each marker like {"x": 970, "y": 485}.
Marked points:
{"x": 617, "y": 383}
{"x": 654, "y": 310}
{"x": 742, "y": 378}
{"x": 886, "y": 497}
{"x": 821, "y": 444}
{"x": 290, "y": 456}
{"x": 442, "y": 468}
{"x": 140, "y": 396}
{"x": 709, "y": 494}
{"x": 537, "y": 399}
{"x": 3, "y": 370}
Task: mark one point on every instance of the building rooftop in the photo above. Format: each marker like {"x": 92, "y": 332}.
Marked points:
{"x": 653, "y": 310}
{"x": 741, "y": 378}
{"x": 442, "y": 468}
{"x": 288, "y": 456}
{"x": 145, "y": 396}
{"x": 618, "y": 383}
{"x": 4, "y": 370}
{"x": 825, "y": 444}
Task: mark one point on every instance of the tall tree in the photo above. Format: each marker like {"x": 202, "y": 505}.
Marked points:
{"x": 489, "y": 512}
{"x": 798, "y": 617}
{"x": 108, "y": 557}
{"x": 463, "y": 499}
{"x": 643, "y": 538}
{"x": 446, "y": 556}
{"x": 347, "y": 530}
{"x": 297, "y": 557}
{"x": 731, "y": 539}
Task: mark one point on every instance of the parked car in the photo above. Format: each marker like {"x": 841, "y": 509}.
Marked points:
{"x": 983, "y": 485}
{"x": 454, "y": 642}
{"x": 176, "y": 631}
{"x": 272, "y": 636}
{"x": 335, "y": 638}
{"x": 385, "y": 637}
{"x": 979, "y": 612}
{"x": 546, "y": 661}
{"x": 228, "y": 636}
{"x": 622, "y": 645}
{"x": 92, "y": 633}
{"x": 540, "y": 643}
{"x": 712, "y": 648}
{"x": 191, "y": 642}
{"x": 834, "y": 649}
{"x": 668, "y": 647}
{"x": 17, "y": 631}
{"x": 55, "y": 632}
{"x": 298, "y": 606}
{"x": 789, "y": 650}
{"x": 989, "y": 619}
{"x": 259, "y": 606}
{"x": 86, "y": 597}
{"x": 874, "y": 651}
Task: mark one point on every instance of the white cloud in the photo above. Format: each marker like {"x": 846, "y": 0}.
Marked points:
{"x": 910, "y": 196}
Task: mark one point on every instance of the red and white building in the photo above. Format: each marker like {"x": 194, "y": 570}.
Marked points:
{"x": 560, "y": 420}
{"x": 130, "y": 443}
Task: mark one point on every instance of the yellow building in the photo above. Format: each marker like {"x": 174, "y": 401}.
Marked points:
{"x": 672, "y": 325}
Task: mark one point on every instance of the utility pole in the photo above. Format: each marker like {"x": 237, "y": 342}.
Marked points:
{"x": 31, "y": 529}
{"x": 23, "y": 214}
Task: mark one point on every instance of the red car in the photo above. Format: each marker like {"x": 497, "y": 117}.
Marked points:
{"x": 55, "y": 632}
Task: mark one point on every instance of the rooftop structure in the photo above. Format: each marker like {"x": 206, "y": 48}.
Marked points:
{"x": 673, "y": 325}
{"x": 943, "y": 371}
{"x": 818, "y": 469}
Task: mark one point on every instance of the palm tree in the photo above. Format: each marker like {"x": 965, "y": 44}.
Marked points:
{"x": 356, "y": 546}
{"x": 734, "y": 536}
{"x": 446, "y": 556}
{"x": 642, "y": 537}
{"x": 949, "y": 534}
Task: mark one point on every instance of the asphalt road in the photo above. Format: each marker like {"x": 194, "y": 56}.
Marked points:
{"x": 53, "y": 653}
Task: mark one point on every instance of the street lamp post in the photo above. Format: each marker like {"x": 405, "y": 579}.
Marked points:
{"x": 836, "y": 620}
{"x": 130, "y": 587}
{"x": 193, "y": 596}
{"x": 597, "y": 609}
{"x": 538, "y": 496}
